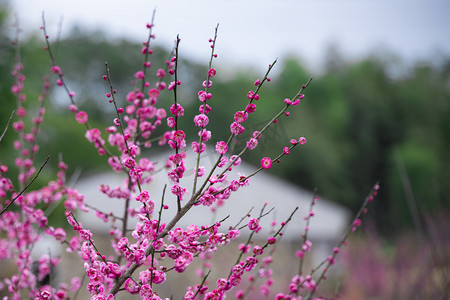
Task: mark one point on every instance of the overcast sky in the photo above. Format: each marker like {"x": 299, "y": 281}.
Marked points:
{"x": 254, "y": 33}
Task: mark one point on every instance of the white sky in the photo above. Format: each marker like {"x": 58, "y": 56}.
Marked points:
{"x": 254, "y": 33}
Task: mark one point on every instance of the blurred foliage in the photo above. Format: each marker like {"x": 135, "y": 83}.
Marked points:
{"x": 6, "y": 80}
{"x": 411, "y": 266}
{"x": 361, "y": 121}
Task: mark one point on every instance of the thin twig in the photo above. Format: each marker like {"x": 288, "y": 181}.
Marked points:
{"x": 200, "y": 139}
{"x": 410, "y": 199}
{"x": 81, "y": 285}
{"x": 304, "y": 86}
{"x": 351, "y": 228}
{"x": 201, "y": 284}
{"x": 7, "y": 124}
{"x": 23, "y": 190}
{"x": 244, "y": 217}
{"x": 305, "y": 235}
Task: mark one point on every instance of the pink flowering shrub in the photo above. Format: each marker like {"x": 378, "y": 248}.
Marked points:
{"x": 156, "y": 245}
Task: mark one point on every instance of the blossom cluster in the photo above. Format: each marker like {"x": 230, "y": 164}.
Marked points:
{"x": 155, "y": 245}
